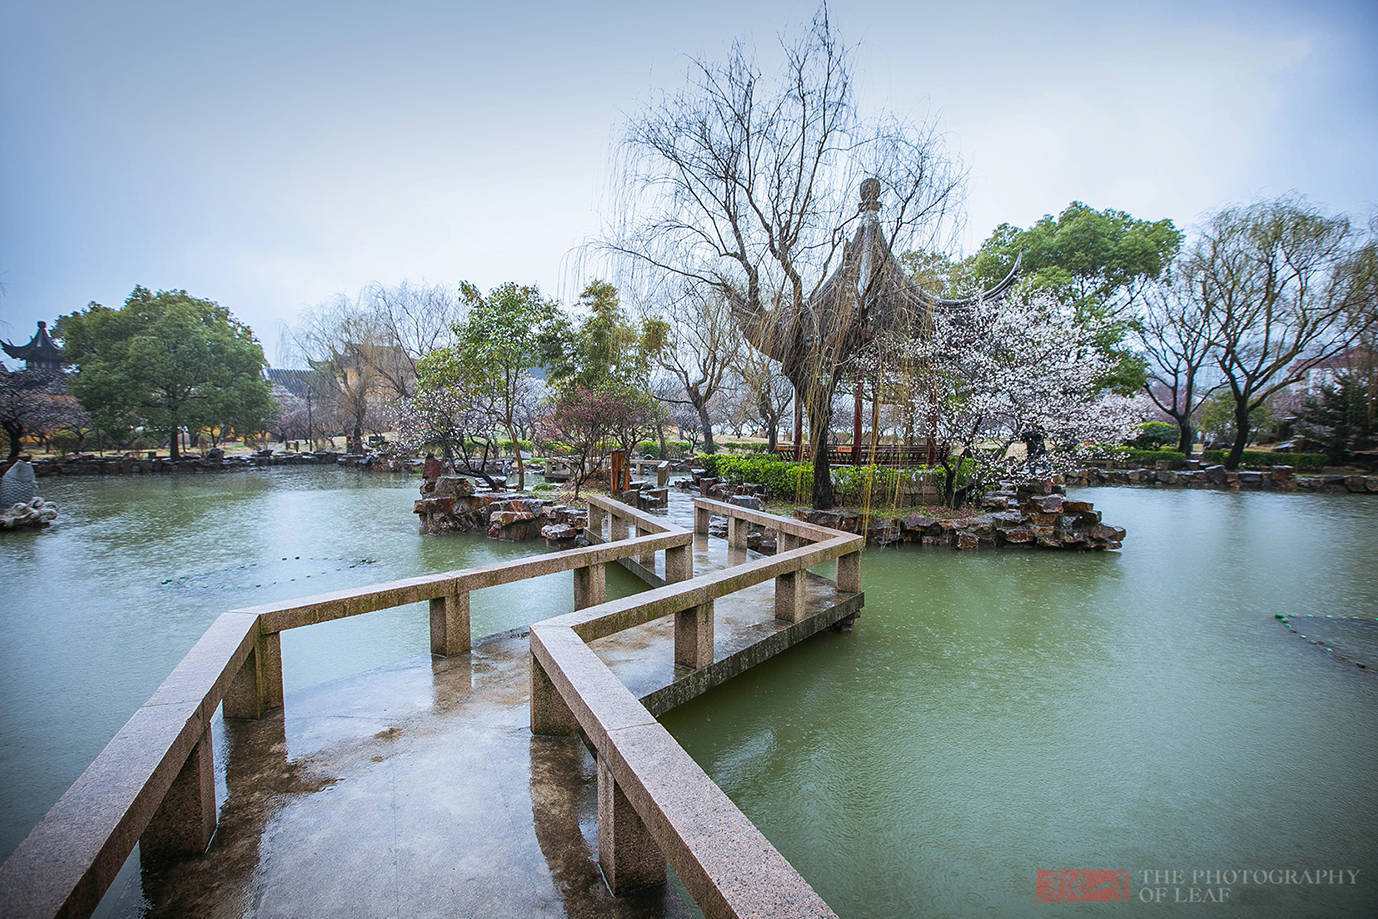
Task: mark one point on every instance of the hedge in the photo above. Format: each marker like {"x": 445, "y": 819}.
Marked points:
{"x": 790, "y": 481}
{"x": 1309, "y": 461}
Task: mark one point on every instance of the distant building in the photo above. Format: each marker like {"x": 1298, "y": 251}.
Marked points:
{"x": 296, "y": 382}
{"x": 1325, "y": 373}
{"x": 40, "y": 353}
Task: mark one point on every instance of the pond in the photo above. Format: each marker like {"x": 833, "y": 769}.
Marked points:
{"x": 997, "y": 713}
{"x": 993, "y": 713}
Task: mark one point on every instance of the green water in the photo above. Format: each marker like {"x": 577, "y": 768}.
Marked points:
{"x": 97, "y": 609}
{"x": 998, "y": 713}
{"x": 993, "y": 713}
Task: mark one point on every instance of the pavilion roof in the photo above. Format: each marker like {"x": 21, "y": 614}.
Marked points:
{"x": 868, "y": 287}
{"x": 41, "y": 352}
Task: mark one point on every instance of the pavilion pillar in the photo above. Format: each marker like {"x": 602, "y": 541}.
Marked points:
{"x": 856, "y": 425}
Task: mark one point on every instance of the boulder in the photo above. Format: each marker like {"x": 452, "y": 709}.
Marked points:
{"x": 1019, "y": 534}
{"x": 750, "y": 502}
{"x": 559, "y": 533}
{"x": 1356, "y": 483}
{"x": 917, "y": 521}
{"x": 456, "y": 485}
{"x": 1047, "y": 504}
{"x": 966, "y": 540}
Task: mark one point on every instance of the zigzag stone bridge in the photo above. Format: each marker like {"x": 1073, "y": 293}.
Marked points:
{"x": 522, "y": 774}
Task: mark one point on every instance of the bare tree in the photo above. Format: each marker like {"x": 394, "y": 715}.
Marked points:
{"x": 701, "y": 346}
{"x": 414, "y": 320}
{"x": 1175, "y": 333}
{"x": 745, "y": 184}
{"x": 340, "y": 340}
{"x": 761, "y": 394}
{"x": 1284, "y": 287}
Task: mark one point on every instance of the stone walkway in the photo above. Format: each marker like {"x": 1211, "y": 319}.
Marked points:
{"x": 418, "y": 789}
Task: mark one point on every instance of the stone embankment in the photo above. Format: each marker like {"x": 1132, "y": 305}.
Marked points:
{"x": 1036, "y": 514}
{"x": 1278, "y": 478}
{"x": 453, "y": 505}
{"x": 211, "y": 461}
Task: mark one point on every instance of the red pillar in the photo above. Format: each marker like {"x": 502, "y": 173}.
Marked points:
{"x": 798, "y": 427}
{"x": 856, "y": 426}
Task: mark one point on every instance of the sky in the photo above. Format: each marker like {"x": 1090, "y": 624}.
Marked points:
{"x": 272, "y": 155}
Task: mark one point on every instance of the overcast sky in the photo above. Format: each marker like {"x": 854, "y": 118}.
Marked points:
{"x": 270, "y": 155}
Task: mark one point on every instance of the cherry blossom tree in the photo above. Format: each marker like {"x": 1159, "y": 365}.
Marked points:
{"x": 997, "y": 373}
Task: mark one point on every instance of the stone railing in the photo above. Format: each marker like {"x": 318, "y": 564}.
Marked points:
{"x": 154, "y": 783}
{"x": 654, "y": 802}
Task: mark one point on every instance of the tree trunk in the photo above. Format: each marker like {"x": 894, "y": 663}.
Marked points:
{"x": 1241, "y": 434}
{"x": 172, "y": 451}
{"x": 706, "y": 426}
{"x": 819, "y": 413}
{"x": 1185, "y": 437}
{"x": 14, "y": 431}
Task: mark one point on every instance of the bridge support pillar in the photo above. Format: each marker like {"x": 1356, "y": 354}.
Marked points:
{"x": 694, "y": 636}
{"x": 849, "y": 573}
{"x": 549, "y": 713}
{"x": 185, "y": 820}
{"x": 450, "y": 624}
{"x": 789, "y": 596}
{"x": 736, "y": 532}
{"x": 627, "y": 853}
{"x": 679, "y": 564}
{"x": 702, "y": 516}
{"x": 590, "y": 586}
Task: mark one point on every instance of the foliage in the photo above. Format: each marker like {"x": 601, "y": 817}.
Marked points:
{"x": 997, "y": 373}
{"x": 1262, "y": 459}
{"x": 1218, "y": 423}
{"x": 1285, "y": 287}
{"x": 1130, "y": 457}
{"x": 495, "y": 349}
{"x": 593, "y": 421}
{"x": 745, "y": 180}
{"x": 1155, "y": 434}
{"x": 606, "y": 348}
{"x": 1095, "y": 261}
{"x": 1339, "y": 419}
{"x": 35, "y": 402}
{"x": 167, "y": 361}
{"x": 786, "y": 480}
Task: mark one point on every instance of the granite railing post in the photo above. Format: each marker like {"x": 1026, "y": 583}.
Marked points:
{"x": 849, "y": 573}
{"x": 694, "y": 636}
{"x": 627, "y": 852}
{"x": 590, "y": 586}
{"x": 618, "y": 529}
{"x": 702, "y": 516}
{"x": 647, "y": 560}
{"x": 185, "y": 820}
{"x": 596, "y": 515}
{"x": 550, "y": 715}
{"x": 789, "y": 596}
{"x": 679, "y": 564}
{"x": 268, "y": 652}
{"x": 736, "y": 532}
{"x": 244, "y": 697}
{"x": 450, "y": 623}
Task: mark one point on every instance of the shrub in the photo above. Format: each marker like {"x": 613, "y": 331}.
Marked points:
{"x": 1262, "y": 459}
{"x": 1154, "y": 435}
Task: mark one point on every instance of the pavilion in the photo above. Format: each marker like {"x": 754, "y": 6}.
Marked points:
{"x": 41, "y": 353}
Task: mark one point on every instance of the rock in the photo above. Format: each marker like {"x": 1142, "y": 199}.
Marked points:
{"x": 1355, "y": 483}
{"x": 967, "y": 540}
{"x": 1047, "y": 504}
{"x": 1102, "y": 532}
{"x": 1371, "y": 483}
{"x": 1077, "y": 507}
{"x": 750, "y": 502}
{"x": 557, "y": 533}
{"x": 1253, "y": 481}
{"x": 1019, "y": 534}
{"x": 918, "y": 521}
{"x": 456, "y": 485}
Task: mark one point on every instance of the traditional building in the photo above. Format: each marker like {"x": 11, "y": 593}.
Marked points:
{"x": 41, "y": 353}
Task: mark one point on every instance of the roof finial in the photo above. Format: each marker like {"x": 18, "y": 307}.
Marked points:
{"x": 870, "y": 194}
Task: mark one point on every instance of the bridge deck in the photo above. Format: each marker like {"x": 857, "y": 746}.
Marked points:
{"x": 417, "y": 789}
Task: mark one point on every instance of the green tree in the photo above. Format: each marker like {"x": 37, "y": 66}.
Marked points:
{"x": 167, "y": 361}
{"x": 607, "y": 347}
{"x": 495, "y": 350}
{"x": 1338, "y": 418}
{"x": 1098, "y": 261}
